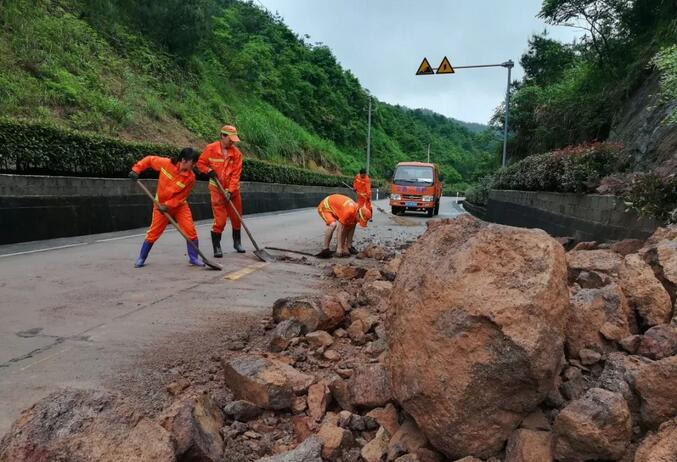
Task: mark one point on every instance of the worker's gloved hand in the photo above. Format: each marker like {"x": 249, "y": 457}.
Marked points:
{"x": 133, "y": 175}
{"x": 228, "y": 194}
{"x": 211, "y": 174}
{"x": 162, "y": 208}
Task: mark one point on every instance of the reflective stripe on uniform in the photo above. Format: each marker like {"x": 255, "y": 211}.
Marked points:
{"x": 216, "y": 159}
{"x": 166, "y": 173}
{"x": 178, "y": 183}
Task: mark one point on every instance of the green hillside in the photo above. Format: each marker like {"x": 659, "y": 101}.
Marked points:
{"x": 171, "y": 71}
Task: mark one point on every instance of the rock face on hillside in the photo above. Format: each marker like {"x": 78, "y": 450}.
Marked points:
{"x": 476, "y": 331}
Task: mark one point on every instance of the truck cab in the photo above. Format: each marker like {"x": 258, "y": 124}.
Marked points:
{"x": 416, "y": 186}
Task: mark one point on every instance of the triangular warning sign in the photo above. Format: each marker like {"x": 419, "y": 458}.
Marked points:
{"x": 445, "y": 67}
{"x": 424, "y": 68}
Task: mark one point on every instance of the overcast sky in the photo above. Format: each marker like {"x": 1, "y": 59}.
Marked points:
{"x": 383, "y": 42}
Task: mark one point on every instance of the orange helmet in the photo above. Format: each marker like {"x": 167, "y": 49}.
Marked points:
{"x": 363, "y": 216}
{"x": 230, "y": 132}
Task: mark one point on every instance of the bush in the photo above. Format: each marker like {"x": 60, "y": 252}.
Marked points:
{"x": 479, "y": 194}
{"x": 574, "y": 169}
{"x": 28, "y": 148}
{"x": 654, "y": 196}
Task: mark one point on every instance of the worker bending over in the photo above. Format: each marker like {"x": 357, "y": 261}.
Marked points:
{"x": 339, "y": 211}
{"x": 222, "y": 161}
{"x": 362, "y": 186}
{"x": 175, "y": 181}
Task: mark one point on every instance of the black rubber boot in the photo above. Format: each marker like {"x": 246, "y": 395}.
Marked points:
{"x": 237, "y": 241}
{"x": 216, "y": 242}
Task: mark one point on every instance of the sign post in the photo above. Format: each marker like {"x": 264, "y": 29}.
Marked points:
{"x": 445, "y": 67}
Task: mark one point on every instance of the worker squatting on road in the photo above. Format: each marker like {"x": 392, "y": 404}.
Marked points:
{"x": 175, "y": 181}
{"x": 222, "y": 161}
{"x": 362, "y": 186}
{"x": 339, "y": 211}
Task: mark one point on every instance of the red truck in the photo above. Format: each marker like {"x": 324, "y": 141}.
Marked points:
{"x": 416, "y": 186}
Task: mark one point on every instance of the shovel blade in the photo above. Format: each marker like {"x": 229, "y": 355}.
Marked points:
{"x": 264, "y": 256}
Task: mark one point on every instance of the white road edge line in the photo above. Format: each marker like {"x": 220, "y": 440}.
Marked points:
{"x": 120, "y": 237}
{"x": 43, "y": 250}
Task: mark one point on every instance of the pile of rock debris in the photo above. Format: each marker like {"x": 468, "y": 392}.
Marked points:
{"x": 479, "y": 343}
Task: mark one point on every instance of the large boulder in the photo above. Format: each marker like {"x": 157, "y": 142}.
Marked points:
{"x": 308, "y": 451}
{"x": 266, "y": 382}
{"x": 599, "y": 317}
{"x": 370, "y": 386}
{"x": 314, "y": 313}
{"x": 645, "y": 293}
{"x": 601, "y": 261}
{"x": 597, "y": 426}
{"x": 476, "y": 331}
{"x": 195, "y": 424}
{"x": 656, "y": 384}
{"x": 529, "y": 446}
{"x": 84, "y": 425}
{"x": 660, "y": 446}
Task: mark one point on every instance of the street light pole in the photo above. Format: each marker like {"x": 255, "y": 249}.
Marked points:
{"x": 369, "y": 138}
{"x": 509, "y": 64}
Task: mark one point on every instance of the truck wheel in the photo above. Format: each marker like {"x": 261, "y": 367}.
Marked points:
{"x": 437, "y": 207}
{"x": 431, "y": 211}
{"x": 395, "y": 210}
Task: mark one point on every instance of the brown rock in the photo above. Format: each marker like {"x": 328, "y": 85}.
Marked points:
{"x": 308, "y": 451}
{"x": 319, "y": 338}
{"x": 84, "y": 425}
{"x": 660, "y": 446}
{"x": 589, "y": 357}
{"x": 318, "y": 398}
{"x": 529, "y": 446}
{"x": 601, "y": 261}
{"x": 341, "y": 394}
{"x": 408, "y": 438}
{"x": 427, "y": 455}
{"x": 536, "y": 421}
{"x": 305, "y": 310}
{"x": 470, "y": 354}
{"x": 656, "y": 384}
{"x": 347, "y": 271}
{"x": 386, "y": 417}
{"x": 268, "y": 383}
{"x": 469, "y": 459}
{"x": 334, "y": 312}
{"x": 331, "y": 355}
{"x": 393, "y": 265}
{"x": 598, "y": 317}
{"x": 585, "y": 245}
{"x": 619, "y": 375}
{"x": 627, "y": 246}
{"x": 376, "y": 252}
{"x": 668, "y": 233}
{"x": 597, "y": 426}
{"x": 592, "y": 279}
{"x": 364, "y": 315}
{"x": 370, "y": 386}
{"x": 301, "y": 425}
{"x": 242, "y": 410}
{"x": 299, "y": 404}
{"x": 284, "y": 332}
{"x": 195, "y": 425}
{"x": 658, "y": 342}
{"x": 374, "y": 450}
{"x": 644, "y": 292}
{"x": 356, "y": 331}
{"x": 376, "y": 291}
{"x": 334, "y": 440}
{"x": 372, "y": 275}
{"x": 175, "y": 388}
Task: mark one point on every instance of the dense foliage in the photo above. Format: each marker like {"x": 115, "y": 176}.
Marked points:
{"x": 44, "y": 149}
{"x": 570, "y": 92}
{"x": 173, "y": 71}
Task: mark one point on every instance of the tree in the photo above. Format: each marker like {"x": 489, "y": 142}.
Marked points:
{"x": 545, "y": 60}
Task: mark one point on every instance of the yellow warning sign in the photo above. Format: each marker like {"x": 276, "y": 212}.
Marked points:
{"x": 425, "y": 68}
{"x": 445, "y": 67}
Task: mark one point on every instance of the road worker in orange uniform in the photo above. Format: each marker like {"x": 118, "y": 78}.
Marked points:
{"x": 175, "y": 181}
{"x": 222, "y": 160}
{"x": 339, "y": 211}
{"x": 362, "y": 186}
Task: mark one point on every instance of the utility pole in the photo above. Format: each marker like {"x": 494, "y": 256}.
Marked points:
{"x": 369, "y": 137}
{"x": 428, "y": 152}
{"x": 445, "y": 68}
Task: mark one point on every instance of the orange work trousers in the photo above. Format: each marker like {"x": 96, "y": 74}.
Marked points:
{"x": 182, "y": 216}
{"x": 361, "y": 201}
{"x": 222, "y": 210}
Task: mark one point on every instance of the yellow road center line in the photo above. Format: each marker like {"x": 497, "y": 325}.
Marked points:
{"x": 235, "y": 275}
{"x": 45, "y": 359}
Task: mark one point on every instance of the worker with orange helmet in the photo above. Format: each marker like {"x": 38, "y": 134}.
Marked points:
{"x": 362, "y": 186}
{"x": 175, "y": 181}
{"x": 339, "y": 211}
{"x": 222, "y": 161}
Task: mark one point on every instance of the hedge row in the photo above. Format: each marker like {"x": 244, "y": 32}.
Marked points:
{"x": 30, "y": 148}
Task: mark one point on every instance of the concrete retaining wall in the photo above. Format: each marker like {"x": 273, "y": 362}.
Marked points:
{"x": 46, "y": 207}
{"x": 584, "y": 217}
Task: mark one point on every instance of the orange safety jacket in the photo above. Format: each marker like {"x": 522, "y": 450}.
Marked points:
{"x": 343, "y": 208}
{"x": 228, "y": 167}
{"x": 173, "y": 186}
{"x": 362, "y": 186}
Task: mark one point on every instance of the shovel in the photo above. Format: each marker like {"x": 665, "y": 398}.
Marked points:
{"x": 176, "y": 225}
{"x": 260, "y": 253}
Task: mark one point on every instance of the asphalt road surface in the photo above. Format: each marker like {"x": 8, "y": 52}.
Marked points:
{"x": 73, "y": 310}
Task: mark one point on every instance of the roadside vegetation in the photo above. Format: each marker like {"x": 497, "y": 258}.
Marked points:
{"x": 172, "y": 72}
